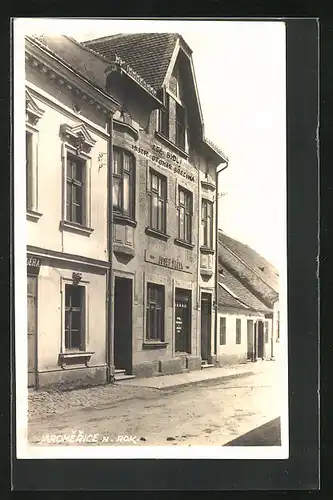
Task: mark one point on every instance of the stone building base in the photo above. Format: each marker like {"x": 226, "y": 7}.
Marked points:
{"x": 73, "y": 378}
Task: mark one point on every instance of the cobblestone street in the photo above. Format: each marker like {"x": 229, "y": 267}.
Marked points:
{"x": 210, "y": 413}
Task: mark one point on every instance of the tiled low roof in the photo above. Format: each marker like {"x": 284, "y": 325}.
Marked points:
{"x": 149, "y": 54}
{"x": 238, "y": 291}
{"x": 263, "y": 269}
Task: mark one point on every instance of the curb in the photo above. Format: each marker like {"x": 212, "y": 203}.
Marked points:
{"x": 207, "y": 381}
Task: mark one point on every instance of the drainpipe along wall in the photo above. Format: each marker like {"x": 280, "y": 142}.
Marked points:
{"x": 217, "y": 256}
{"x": 109, "y": 340}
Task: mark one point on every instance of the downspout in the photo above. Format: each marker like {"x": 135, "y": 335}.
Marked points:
{"x": 109, "y": 347}
{"x": 217, "y": 257}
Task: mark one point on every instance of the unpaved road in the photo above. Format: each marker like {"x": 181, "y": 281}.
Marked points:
{"x": 212, "y": 413}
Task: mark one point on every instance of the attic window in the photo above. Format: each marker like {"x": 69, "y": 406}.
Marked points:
{"x": 174, "y": 85}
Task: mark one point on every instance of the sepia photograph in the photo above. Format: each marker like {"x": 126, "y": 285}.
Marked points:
{"x": 150, "y": 239}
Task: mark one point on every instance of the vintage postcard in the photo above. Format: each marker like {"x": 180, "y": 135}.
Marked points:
{"x": 150, "y": 239}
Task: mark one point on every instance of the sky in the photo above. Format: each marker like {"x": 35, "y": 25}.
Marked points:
{"x": 240, "y": 73}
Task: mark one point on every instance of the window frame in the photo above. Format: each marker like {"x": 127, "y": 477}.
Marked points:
{"x": 32, "y": 209}
{"x": 188, "y": 213}
{"x": 85, "y": 227}
{"x": 163, "y": 116}
{"x": 71, "y": 183}
{"x": 84, "y": 316}
{"x": 223, "y": 331}
{"x": 238, "y": 331}
{"x": 152, "y": 192}
{"x": 204, "y": 223}
{"x": 132, "y": 192}
{"x": 179, "y": 123}
{"x": 158, "y": 288}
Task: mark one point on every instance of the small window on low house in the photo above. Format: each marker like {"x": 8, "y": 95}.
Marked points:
{"x": 238, "y": 331}
{"x": 223, "y": 331}
{"x": 74, "y": 317}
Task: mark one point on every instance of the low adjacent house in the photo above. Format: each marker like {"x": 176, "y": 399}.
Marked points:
{"x": 248, "y": 304}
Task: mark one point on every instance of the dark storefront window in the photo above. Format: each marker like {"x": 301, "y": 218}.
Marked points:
{"x": 238, "y": 331}
{"x": 207, "y": 223}
{"x": 74, "y": 317}
{"x": 157, "y": 201}
{"x": 223, "y": 331}
{"x": 185, "y": 215}
{"x": 123, "y": 183}
{"x": 75, "y": 189}
{"x": 155, "y": 312}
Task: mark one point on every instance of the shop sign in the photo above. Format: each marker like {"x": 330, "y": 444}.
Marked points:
{"x": 164, "y": 162}
{"x": 171, "y": 263}
{"x": 33, "y": 264}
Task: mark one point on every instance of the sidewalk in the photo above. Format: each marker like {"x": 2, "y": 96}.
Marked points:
{"x": 164, "y": 382}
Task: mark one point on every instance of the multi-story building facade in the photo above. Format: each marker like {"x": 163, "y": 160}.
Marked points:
{"x": 122, "y": 227}
{"x": 67, "y": 142}
{"x": 164, "y": 209}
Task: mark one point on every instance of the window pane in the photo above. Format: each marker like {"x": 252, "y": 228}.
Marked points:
{"x": 29, "y": 170}
{"x": 117, "y": 162}
{"x": 77, "y": 194}
{"x": 160, "y": 215}
{"x": 182, "y": 223}
{"x": 154, "y": 212}
{"x": 154, "y": 182}
{"x": 126, "y": 194}
{"x": 127, "y": 162}
{"x": 75, "y": 339}
{"x": 67, "y": 340}
{"x": 76, "y": 320}
{"x": 116, "y": 192}
{"x": 76, "y": 294}
{"x": 181, "y": 197}
{"x": 188, "y": 235}
{"x": 78, "y": 217}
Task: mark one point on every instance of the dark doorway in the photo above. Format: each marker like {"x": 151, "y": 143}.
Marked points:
{"x": 123, "y": 324}
{"x": 183, "y": 320}
{"x": 32, "y": 329}
{"x": 250, "y": 340}
{"x": 260, "y": 339}
{"x": 206, "y": 322}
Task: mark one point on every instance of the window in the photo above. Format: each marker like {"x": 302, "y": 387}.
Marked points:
{"x": 185, "y": 215}
{"x": 74, "y": 317}
{"x": 155, "y": 313}
{"x": 180, "y": 126}
{"x": 266, "y": 331}
{"x": 223, "y": 331}
{"x": 207, "y": 223}
{"x": 157, "y": 186}
{"x": 29, "y": 170}
{"x": 123, "y": 183}
{"x": 238, "y": 331}
{"x": 75, "y": 189}
{"x": 163, "y": 117}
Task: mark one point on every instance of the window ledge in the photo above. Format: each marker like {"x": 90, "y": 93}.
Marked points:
{"x": 75, "y": 228}
{"x": 82, "y": 357}
{"x": 124, "y": 220}
{"x": 157, "y": 234}
{"x": 172, "y": 145}
{"x": 206, "y": 272}
{"x": 208, "y": 185}
{"x": 184, "y": 244}
{"x": 154, "y": 344}
{"x": 126, "y": 127}
{"x": 33, "y": 216}
{"x": 204, "y": 249}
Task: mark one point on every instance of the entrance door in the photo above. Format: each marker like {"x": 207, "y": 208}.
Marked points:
{"x": 250, "y": 340}
{"x": 183, "y": 321}
{"x": 32, "y": 329}
{"x": 260, "y": 339}
{"x": 206, "y": 322}
{"x": 123, "y": 324}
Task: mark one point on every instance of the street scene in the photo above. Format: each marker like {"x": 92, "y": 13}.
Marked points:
{"x": 154, "y": 264}
{"x": 214, "y": 411}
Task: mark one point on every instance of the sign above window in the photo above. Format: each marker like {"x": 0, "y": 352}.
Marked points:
{"x": 169, "y": 262}
{"x": 169, "y": 157}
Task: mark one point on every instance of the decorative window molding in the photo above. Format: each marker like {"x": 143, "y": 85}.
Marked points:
{"x": 33, "y": 112}
{"x": 33, "y": 115}
{"x": 77, "y": 143}
{"x": 78, "y": 137}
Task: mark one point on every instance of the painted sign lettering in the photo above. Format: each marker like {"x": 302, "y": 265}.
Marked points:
{"x": 171, "y": 263}
{"x": 164, "y": 162}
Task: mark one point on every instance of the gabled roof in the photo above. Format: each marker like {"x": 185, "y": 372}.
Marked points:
{"x": 232, "y": 293}
{"x": 147, "y": 53}
{"x": 260, "y": 266}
